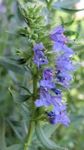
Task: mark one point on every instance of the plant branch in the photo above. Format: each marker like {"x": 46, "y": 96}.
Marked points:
{"x": 32, "y": 122}
{"x": 29, "y": 136}
{"x": 2, "y": 134}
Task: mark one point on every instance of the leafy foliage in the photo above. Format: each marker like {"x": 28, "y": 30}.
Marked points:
{"x": 16, "y": 38}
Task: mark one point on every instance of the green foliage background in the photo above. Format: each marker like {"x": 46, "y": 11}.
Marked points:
{"x": 14, "y": 111}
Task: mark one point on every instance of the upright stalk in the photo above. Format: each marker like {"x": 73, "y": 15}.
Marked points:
{"x": 29, "y": 136}
{"x": 2, "y": 134}
{"x": 32, "y": 122}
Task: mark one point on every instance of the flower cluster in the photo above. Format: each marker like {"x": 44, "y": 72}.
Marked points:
{"x": 50, "y": 95}
{"x": 64, "y": 65}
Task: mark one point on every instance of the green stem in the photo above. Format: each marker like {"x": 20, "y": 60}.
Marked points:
{"x": 2, "y": 135}
{"x": 35, "y": 78}
{"x": 29, "y": 136}
{"x": 32, "y": 122}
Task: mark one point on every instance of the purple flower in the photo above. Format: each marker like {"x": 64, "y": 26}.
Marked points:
{"x": 63, "y": 63}
{"x": 59, "y": 47}
{"x": 38, "y": 46}
{"x": 57, "y": 35}
{"x": 64, "y": 67}
{"x": 58, "y": 105}
{"x": 60, "y": 41}
{"x": 49, "y": 94}
{"x": 47, "y": 84}
{"x": 47, "y": 81}
{"x": 57, "y": 30}
{"x": 64, "y": 79}
{"x": 39, "y": 57}
{"x": 48, "y": 74}
{"x": 56, "y": 91}
{"x": 61, "y": 118}
{"x": 45, "y": 98}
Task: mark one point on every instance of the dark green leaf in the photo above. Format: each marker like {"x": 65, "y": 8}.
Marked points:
{"x": 71, "y": 33}
{"x": 10, "y": 65}
{"x": 19, "y": 97}
{"x": 68, "y": 10}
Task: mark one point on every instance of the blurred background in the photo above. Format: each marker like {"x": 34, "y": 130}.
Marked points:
{"x": 13, "y": 113}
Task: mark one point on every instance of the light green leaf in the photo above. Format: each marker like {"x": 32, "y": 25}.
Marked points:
{"x": 45, "y": 141}
{"x": 49, "y": 129}
{"x": 19, "y": 97}
{"x": 15, "y": 130}
{"x": 15, "y": 147}
{"x": 68, "y": 10}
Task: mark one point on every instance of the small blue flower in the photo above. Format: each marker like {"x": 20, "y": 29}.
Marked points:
{"x": 60, "y": 41}
{"x": 48, "y": 74}
{"x": 57, "y": 30}
{"x": 62, "y": 48}
{"x": 64, "y": 79}
{"x": 57, "y": 35}
{"x": 64, "y": 68}
{"x": 61, "y": 118}
{"x": 64, "y": 63}
{"x": 56, "y": 91}
{"x": 57, "y": 103}
{"x": 39, "y": 57}
{"x": 38, "y": 46}
{"x": 47, "y": 81}
{"x": 47, "y": 84}
{"x": 45, "y": 98}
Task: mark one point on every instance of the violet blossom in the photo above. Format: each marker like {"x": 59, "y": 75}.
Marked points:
{"x": 39, "y": 57}
{"x": 49, "y": 94}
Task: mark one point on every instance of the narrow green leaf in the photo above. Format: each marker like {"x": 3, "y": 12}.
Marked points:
{"x": 49, "y": 129}
{"x": 68, "y": 23}
{"x": 15, "y": 130}
{"x": 10, "y": 65}
{"x": 47, "y": 143}
{"x": 68, "y": 10}
{"x": 15, "y": 147}
{"x": 19, "y": 97}
{"x": 71, "y": 33}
